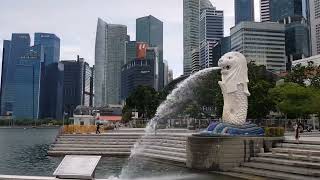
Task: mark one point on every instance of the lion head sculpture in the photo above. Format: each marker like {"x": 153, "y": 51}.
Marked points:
{"x": 234, "y": 71}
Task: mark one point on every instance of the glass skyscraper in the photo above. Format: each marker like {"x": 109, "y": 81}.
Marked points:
{"x": 4, "y": 74}
{"x": 51, "y": 92}
{"x": 150, "y": 30}
{"x": 211, "y": 32}
{"x": 109, "y": 57}
{"x": 191, "y": 16}
{"x": 27, "y": 84}
{"x": 51, "y": 98}
{"x": 244, "y": 10}
{"x": 77, "y": 89}
{"x": 297, "y": 39}
{"x": 276, "y": 10}
{"x": 51, "y": 46}
{"x": 13, "y": 51}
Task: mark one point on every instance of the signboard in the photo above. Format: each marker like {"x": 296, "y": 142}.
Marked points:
{"x": 141, "y": 49}
{"x": 77, "y": 167}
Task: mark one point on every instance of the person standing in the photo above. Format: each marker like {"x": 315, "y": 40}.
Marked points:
{"x": 98, "y": 128}
{"x": 297, "y": 134}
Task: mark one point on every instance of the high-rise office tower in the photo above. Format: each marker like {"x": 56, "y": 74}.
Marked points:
{"x": 211, "y": 32}
{"x": 51, "y": 99}
{"x": 275, "y": 10}
{"x": 297, "y": 39}
{"x": 150, "y": 30}
{"x": 13, "y": 51}
{"x": 195, "y": 61}
{"x": 265, "y": 10}
{"x": 191, "y": 16}
{"x": 141, "y": 71}
{"x": 244, "y": 10}
{"x": 4, "y": 74}
{"x": 27, "y": 84}
{"x": 51, "y": 91}
{"x": 110, "y": 53}
{"x": 315, "y": 26}
{"x": 262, "y": 43}
{"x": 131, "y": 52}
{"x": 170, "y": 75}
{"x": 77, "y": 89}
{"x": 165, "y": 72}
{"x": 51, "y": 46}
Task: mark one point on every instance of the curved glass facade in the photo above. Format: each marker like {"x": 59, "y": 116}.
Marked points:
{"x": 109, "y": 57}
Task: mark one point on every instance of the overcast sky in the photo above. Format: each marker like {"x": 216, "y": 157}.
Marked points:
{"x": 75, "y": 21}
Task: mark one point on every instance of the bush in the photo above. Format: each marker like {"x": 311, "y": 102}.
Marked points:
{"x": 274, "y": 131}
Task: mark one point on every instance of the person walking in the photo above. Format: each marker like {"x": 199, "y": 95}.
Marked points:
{"x": 297, "y": 134}
{"x": 98, "y": 128}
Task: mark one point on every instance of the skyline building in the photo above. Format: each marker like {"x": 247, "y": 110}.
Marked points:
{"x": 51, "y": 91}
{"x": 211, "y": 32}
{"x": 170, "y": 75}
{"x": 131, "y": 50}
{"x": 51, "y": 86}
{"x": 165, "y": 72}
{"x": 77, "y": 84}
{"x": 51, "y": 46}
{"x": 25, "y": 89}
{"x": 27, "y": 84}
{"x": 276, "y": 10}
{"x": 140, "y": 72}
{"x": 315, "y": 26}
{"x": 13, "y": 51}
{"x": 297, "y": 39}
{"x": 262, "y": 43}
{"x": 195, "y": 61}
{"x": 110, "y": 56}
{"x": 244, "y": 10}
{"x": 150, "y": 30}
{"x": 191, "y": 16}
{"x": 4, "y": 74}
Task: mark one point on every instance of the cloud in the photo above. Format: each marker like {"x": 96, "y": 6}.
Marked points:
{"x": 74, "y": 21}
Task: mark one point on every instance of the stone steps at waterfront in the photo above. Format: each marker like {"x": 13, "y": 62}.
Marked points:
{"x": 167, "y": 149}
{"x": 288, "y": 160}
{"x": 162, "y": 146}
{"x": 164, "y": 153}
{"x": 283, "y": 168}
{"x": 272, "y": 174}
{"x": 97, "y": 142}
{"x": 299, "y": 146}
{"x": 115, "y": 149}
{"x": 307, "y": 152}
{"x": 93, "y": 145}
{"x": 292, "y": 157}
{"x": 102, "y": 153}
{"x": 164, "y": 157}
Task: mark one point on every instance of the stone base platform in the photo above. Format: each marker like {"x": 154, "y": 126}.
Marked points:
{"x": 222, "y": 153}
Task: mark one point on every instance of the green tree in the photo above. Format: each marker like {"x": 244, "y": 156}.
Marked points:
{"x": 260, "y": 81}
{"x": 144, "y": 99}
{"x": 295, "y": 100}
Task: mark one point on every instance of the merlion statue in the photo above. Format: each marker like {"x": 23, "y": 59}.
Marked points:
{"x": 234, "y": 87}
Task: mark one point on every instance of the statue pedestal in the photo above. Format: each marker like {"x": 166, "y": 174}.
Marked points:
{"x": 222, "y": 153}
